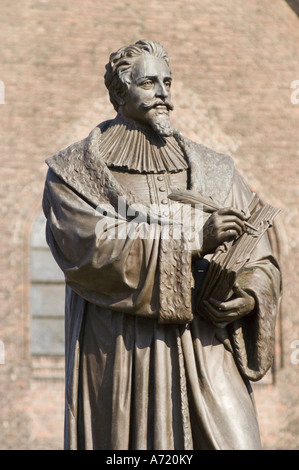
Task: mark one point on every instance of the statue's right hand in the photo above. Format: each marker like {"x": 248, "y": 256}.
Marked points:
{"x": 222, "y": 226}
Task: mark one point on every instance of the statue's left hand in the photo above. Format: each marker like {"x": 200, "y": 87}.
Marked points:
{"x": 223, "y": 313}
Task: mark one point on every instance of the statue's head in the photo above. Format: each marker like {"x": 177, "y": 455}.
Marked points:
{"x": 138, "y": 79}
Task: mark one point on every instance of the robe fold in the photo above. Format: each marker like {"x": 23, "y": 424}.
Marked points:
{"x": 143, "y": 371}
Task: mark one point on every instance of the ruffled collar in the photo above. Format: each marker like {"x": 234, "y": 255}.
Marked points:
{"x": 136, "y": 148}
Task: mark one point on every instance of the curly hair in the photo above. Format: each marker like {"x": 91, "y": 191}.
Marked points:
{"x": 118, "y": 69}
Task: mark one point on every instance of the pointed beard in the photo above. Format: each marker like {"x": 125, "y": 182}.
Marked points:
{"x": 160, "y": 122}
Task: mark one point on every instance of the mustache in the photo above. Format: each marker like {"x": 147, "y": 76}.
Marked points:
{"x": 147, "y": 105}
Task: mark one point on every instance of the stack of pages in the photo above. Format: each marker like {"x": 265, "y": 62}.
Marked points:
{"x": 230, "y": 257}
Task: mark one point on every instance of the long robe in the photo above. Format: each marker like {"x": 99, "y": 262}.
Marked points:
{"x": 143, "y": 371}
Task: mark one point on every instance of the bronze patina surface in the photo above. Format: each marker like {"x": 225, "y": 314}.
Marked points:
{"x": 150, "y": 364}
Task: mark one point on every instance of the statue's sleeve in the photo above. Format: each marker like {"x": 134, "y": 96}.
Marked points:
{"x": 106, "y": 259}
{"x": 253, "y": 336}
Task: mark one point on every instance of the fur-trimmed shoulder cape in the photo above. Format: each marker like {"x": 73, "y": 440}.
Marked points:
{"x": 211, "y": 172}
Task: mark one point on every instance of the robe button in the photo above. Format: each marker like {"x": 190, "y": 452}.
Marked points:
{"x": 162, "y": 189}
{"x": 160, "y": 178}
{"x": 164, "y": 201}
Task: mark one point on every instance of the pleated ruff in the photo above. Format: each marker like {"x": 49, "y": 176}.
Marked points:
{"x": 159, "y": 387}
{"x": 140, "y": 149}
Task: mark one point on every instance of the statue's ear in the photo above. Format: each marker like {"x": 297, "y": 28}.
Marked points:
{"x": 121, "y": 100}
{"x": 120, "y": 94}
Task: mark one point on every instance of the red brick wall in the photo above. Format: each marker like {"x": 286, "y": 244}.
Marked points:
{"x": 233, "y": 64}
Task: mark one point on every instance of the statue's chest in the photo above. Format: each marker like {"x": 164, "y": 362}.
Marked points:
{"x": 152, "y": 189}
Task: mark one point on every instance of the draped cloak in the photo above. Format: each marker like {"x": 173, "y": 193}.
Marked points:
{"x": 143, "y": 369}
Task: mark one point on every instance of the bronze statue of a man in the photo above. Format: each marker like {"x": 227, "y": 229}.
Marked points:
{"x": 144, "y": 368}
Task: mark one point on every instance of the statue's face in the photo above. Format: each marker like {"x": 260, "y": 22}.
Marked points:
{"x": 148, "y": 97}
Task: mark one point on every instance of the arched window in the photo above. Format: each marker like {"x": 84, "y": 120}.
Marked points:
{"x": 47, "y": 293}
